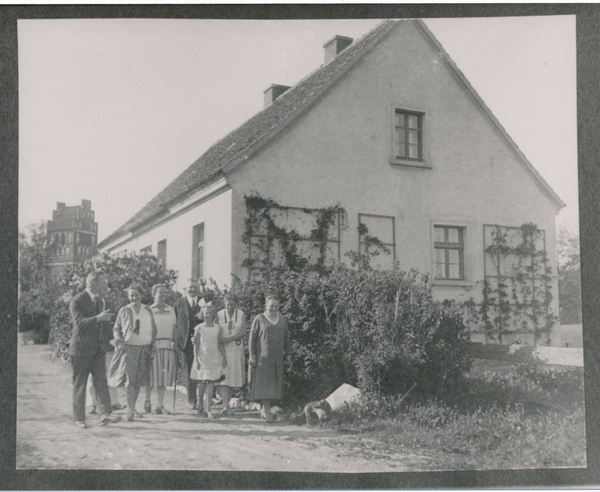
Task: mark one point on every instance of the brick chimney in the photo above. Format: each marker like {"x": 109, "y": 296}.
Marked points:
{"x": 273, "y": 93}
{"x": 335, "y": 46}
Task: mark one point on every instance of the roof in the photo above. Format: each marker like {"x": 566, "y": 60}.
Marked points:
{"x": 242, "y": 141}
{"x": 266, "y": 124}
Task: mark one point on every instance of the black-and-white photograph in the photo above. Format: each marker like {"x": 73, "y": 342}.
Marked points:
{"x": 335, "y": 246}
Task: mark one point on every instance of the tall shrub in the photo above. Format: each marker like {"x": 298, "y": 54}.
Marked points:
{"x": 121, "y": 271}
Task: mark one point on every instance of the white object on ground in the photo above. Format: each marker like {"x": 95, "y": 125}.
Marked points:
{"x": 344, "y": 394}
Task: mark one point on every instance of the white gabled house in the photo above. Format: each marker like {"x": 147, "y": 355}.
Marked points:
{"x": 390, "y": 129}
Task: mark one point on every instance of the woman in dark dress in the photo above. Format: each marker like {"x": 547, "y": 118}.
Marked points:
{"x": 269, "y": 345}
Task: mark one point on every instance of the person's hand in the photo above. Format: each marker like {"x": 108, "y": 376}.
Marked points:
{"x": 252, "y": 362}
{"x": 198, "y": 364}
{"x": 105, "y": 315}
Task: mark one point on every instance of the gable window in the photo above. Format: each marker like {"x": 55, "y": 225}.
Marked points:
{"x": 198, "y": 251}
{"x": 449, "y": 252}
{"x": 408, "y": 133}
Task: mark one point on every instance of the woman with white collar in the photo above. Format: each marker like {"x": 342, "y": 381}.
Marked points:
{"x": 233, "y": 331}
{"x": 269, "y": 345}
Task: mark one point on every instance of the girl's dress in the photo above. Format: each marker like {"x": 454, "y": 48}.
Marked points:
{"x": 269, "y": 344}
{"x": 235, "y": 374}
{"x": 163, "y": 365}
{"x": 130, "y": 364}
{"x": 206, "y": 339}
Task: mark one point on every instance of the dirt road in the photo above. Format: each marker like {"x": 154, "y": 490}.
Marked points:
{"x": 48, "y": 439}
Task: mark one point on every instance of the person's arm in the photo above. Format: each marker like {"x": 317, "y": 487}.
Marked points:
{"x": 287, "y": 348}
{"x": 241, "y": 334}
{"x": 253, "y": 337}
{"x": 196, "y": 342}
{"x": 222, "y": 350}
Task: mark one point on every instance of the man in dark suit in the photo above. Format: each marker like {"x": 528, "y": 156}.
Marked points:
{"x": 186, "y": 310}
{"x": 88, "y": 347}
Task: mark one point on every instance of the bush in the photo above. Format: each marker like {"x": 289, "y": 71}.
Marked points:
{"x": 120, "y": 272}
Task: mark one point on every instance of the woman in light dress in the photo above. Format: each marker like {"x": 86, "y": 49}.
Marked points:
{"x": 269, "y": 345}
{"x": 210, "y": 359}
{"x": 233, "y": 331}
{"x": 135, "y": 335}
{"x": 163, "y": 364}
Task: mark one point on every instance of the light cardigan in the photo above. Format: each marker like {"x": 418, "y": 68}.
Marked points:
{"x": 124, "y": 323}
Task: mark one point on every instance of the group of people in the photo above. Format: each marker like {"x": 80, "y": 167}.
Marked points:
{"x": 141, "y": 347}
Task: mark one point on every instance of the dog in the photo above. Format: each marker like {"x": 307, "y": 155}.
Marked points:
{"x": 320, "y": 408}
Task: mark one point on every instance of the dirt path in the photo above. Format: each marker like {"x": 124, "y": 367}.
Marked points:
{"x": 47, "y": 437}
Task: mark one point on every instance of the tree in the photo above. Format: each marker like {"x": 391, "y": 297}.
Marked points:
{"x": 37, "y": 287}
{"x": 569, "y": 276}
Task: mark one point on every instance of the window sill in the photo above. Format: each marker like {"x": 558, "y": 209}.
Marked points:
{"x": 466, "y": 284}
{"x": 410, "y": 163}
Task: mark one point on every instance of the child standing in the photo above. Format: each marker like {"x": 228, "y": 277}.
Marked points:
{"x": 210, "y": 359}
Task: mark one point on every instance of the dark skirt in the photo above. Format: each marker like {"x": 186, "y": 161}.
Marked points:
{"x": 131, "y": 365}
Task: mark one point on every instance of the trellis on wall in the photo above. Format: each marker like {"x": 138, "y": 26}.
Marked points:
{"x": 517, "y": 287}
{"x": 279, "y": 236}
{"x": 377, "y": 238}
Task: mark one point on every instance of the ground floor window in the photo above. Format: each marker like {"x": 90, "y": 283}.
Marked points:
{"x": 449, "y": 252}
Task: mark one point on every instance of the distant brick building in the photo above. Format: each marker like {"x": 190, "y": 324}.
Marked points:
{"x": 73, "y": 234}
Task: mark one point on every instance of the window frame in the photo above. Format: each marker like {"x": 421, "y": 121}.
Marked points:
{"x": 423, "y": 160}
{"x": 448, "y": 246}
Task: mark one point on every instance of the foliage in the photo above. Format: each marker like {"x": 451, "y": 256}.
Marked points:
{"x": 146, "y": 270}
{"x": 273, "y": 243}
{"x": 37, "y": 287}
{"x": 517, "y": 289}
{"x": 379, "y": 330}
{"x": 569, "y": 276}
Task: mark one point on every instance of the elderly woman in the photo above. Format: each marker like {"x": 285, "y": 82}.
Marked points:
{"x": 269, "y": 344}
{"x": 233, "y": 331}
{"x": 135, "y": 335}
{"x": 163, "y": 364}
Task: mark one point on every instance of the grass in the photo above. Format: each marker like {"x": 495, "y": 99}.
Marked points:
{"x": 522, "y": 419}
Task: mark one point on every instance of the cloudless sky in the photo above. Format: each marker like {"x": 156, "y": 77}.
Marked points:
{"x": 113, "y": 110}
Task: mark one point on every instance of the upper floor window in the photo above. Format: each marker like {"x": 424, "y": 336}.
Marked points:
{"x": 449, "y": 252}
{"x": 408, "y": 132}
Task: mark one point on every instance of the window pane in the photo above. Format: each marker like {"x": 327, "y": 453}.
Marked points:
{"x": 440, "y": 256}
{"x": 454, "y": 256}
{"x": 400, "y": 152}
{"x": 399, "y": 120}
{"x": 439, "y": 234}
{"x": 454, "y": 271}
{"x": 413, "y": 121}
{"x": 452, "y": 235}
{"x": 400, "y": 136}
{"x": 413, "y": 151}
{"x": 413, "y": 137}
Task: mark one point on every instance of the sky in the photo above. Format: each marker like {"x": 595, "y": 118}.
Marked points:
{"x": 113, "y": 110}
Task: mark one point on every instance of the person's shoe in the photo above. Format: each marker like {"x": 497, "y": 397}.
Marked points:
{"x": 158, "y": 411}
{"x": 138, "y": 414}
{"x": 91, "y": 409}
{"x": 82, "y": 424}
{"x": 210, "y": 415}
{"x": 226, "y": 412}
{"x": 147, "y": 406}
{"x": 129, "y": 418}
{"x": 118, "y": 406}
{"x": 193, "y": 406}
{"x": 107, "y": 418}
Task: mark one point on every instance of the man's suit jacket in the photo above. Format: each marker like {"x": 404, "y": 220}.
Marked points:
{"x": 182, "y": 311}
{"x": 88, "y": 332}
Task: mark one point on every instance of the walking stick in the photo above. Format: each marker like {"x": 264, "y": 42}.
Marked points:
{"x": 176, "y": 367}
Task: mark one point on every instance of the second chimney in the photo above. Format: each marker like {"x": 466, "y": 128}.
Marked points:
{"x": 273, "y": 93}
{"x": 335, "y": 46}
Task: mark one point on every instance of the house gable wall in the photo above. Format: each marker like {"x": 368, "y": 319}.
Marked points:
{"x": 341, "y": 151}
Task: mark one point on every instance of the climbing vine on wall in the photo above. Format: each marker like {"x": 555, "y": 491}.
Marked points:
{"x": 371, "y": 241}
{"x": 278, "y": 236}
{"x": 517, "y": 287}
